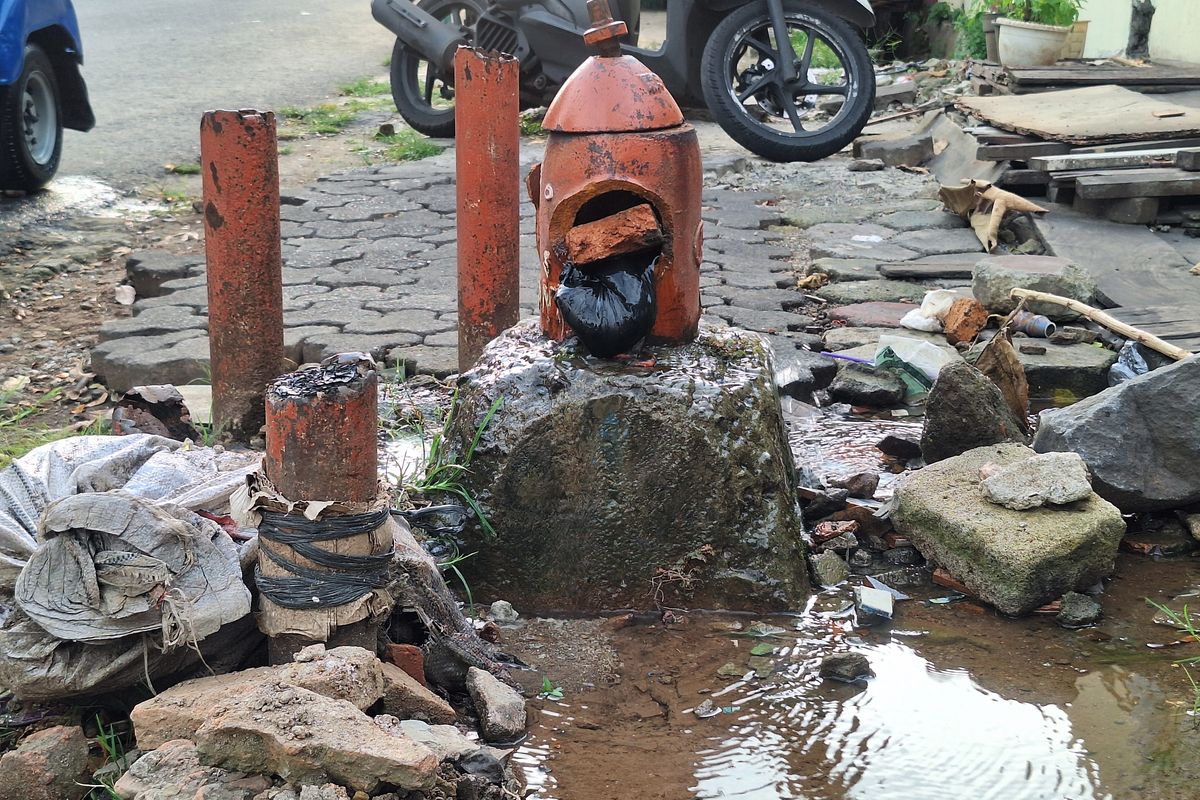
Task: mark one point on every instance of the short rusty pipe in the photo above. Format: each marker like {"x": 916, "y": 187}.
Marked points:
{"x": 489, "y": 179}
{"x": 322, "y": 431}
{"x": 321, "y": 446}
{"x": 240, "y": 170}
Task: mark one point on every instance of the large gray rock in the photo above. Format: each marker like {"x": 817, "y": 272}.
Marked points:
{"x": 608, "y": 485}
{"x": 1139, "y": 439}
{"x": 861, "y": 385}
{"x": 995, "y": 276}
{"x": 965, "y": 410}
{"x": 1015, "y": 560}
{"x": 1054, "y": 479}
{"x": 174, "y": 770}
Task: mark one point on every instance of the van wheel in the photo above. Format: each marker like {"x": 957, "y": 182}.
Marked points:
{"x": 31, "y": 125}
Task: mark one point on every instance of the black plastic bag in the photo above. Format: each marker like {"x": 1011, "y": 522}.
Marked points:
{"x": 610, "y": 305}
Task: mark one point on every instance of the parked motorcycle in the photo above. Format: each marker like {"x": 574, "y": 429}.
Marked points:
{"x": 790, "y": 80}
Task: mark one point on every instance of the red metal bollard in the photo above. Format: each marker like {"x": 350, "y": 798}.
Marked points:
{"x": 321, "y": 446}
{"x": 489, "y": 179}
{"x": 240, "y": 169}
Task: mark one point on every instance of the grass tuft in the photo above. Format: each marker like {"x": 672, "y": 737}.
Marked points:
{"x": 326, "y": 118}
{"x": 407, "y": 145}
{"x": 365, "y": 87}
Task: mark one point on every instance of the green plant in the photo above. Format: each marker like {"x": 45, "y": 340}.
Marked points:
{"x": 286, "y": 150}
{"x": 549, "y": 690}
{"x": 970, "y": 41}
{"x": 531, "y": 126}
{"x": 1185, "y": 623}
{"x": 187, "y": 168}
{"x": 325, "y": 118}
{"x": 408, "y": 145}
{"x": 451, "y": 565}
{"x": 1045, "y": 12}
{"x": 112, "y": 745}
{"x": 364, "y": 87}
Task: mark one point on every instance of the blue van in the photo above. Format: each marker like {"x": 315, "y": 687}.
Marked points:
{"x": 41, "y": 89}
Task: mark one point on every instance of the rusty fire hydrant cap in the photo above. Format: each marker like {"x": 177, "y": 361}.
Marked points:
{"x": 611, "y": 93}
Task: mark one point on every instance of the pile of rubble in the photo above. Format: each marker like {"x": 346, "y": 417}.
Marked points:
{"x": 334, "y": 724}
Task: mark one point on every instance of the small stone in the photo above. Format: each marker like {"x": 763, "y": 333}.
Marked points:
{"x": 1032, "y": 349}
{"x": 903, "y": 446}
{"x": 502, "y": 612}
{"x": 846, "y": 667}
{"x": 1044, "y": 479}
{"x": 404, "y": 697}
{"x": 847, "y": 541}
{"x": 861, "y": 559}
{"x": 1078, "y": 610}
{"x": 1068, "y": 335}
{"x": 866, "y": 165}
{"x": 501, "y": 710}
{"x": 484, "y": 764}
{"x": 905, "y": 556}
{"x": 829, "y": 569}
{"x": 860, "y": 484}
{"x": 826, "y": 503}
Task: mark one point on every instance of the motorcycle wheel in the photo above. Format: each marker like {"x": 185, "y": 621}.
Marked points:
{"x": 30, "y": 125}
{"x": 805, "y": 119}
{"x": 424, "y": 96}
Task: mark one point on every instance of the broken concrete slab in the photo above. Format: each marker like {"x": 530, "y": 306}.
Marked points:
{"x": 846, "y": 269}
{"x": 305, "y": 737}
{"x": 148, "y": 270}
{"x": 1066, "y": 372}
{"x": 49, "y": 764}
{"x": 1139, "y": 438}
{"x": 1015, "y": 560}
{"x": 343, "y": 673}
{"x": 861, "y": 385}
{"x": 871, "y": 315}
{"x": 1055, "y": 479}
{"x": 174, "y": 770}
{"x": 828, "y": 568}
{"x": 964, "y": 411}
{"x": 921, "y": 220}
{"x": 935, "y": 241}
{"x": 838, "y": 339}
{"x": 799, "y": 372}
{"x": 996, "y": 276}
{"x": 406, "y": 699}
{"x": 501, "y": 709}
{"x": 872, "y": 291}
{"x": 898, "y": 151}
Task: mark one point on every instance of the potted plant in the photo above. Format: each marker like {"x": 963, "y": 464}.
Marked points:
{"x": 1033, "y": 32}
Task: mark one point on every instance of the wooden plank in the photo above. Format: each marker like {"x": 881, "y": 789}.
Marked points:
{"x": 1132, "y": 266}
{"x": 1093, "y": 115}
{"x": 1163, "y": 157}
{"x": 1125, "y": 147}
{"x": 1138, "y": 183}
{"x": 1149, "y": 315}
{"x": 1024, "y": 177}
{"x": 1102, "y": 75}
{"x": 1020, "y": 152}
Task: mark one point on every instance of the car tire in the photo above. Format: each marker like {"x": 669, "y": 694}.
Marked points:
{"x": 30, "y": 125}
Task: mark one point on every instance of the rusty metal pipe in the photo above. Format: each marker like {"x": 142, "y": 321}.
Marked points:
{"x": 321, "y": 445}
{"x": 240, "y": 169}
{"x": 489, "y": 178}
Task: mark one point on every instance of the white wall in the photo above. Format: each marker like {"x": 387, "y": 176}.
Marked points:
{"x": 1174, "y": 36}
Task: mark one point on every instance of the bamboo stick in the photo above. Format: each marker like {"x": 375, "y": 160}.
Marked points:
{"x": 1107, "y": 320}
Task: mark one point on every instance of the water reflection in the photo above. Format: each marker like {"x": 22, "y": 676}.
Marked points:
{"x": 913, "y": 732}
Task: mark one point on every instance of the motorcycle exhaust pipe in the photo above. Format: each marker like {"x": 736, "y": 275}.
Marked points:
{"x": 433, "y": 39}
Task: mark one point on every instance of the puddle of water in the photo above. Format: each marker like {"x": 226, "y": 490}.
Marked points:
{"x": 77, "y": 195}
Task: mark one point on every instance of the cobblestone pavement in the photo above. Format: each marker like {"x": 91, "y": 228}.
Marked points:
{"x": 369, "y": 264}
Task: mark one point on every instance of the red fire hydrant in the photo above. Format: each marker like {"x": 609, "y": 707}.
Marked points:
{"x": 621, "y": 177}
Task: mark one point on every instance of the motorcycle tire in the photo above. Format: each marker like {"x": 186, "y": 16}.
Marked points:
{"x": 31, "y": 130}
{"x": 719, "y": 79}
{"x": 416, "y": 106}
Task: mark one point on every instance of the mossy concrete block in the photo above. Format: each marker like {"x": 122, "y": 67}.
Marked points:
{"x": 612, "y": 486}
{"x": 1015, "y": 560}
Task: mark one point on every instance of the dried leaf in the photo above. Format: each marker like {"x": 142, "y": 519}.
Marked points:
{"x": 1000, "y": 363}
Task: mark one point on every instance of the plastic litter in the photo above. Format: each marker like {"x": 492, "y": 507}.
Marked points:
{"x": 1130, "y": 363}
{"x": 873, "y": 605}
{"x": 934, "y": 306}
{"x": 924, "y": 356}
{"x": 883, "y": 587}
{"x": 610, "y": 304}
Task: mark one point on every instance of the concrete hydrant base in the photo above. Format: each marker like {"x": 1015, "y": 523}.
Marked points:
{"x": 614, "y": 486}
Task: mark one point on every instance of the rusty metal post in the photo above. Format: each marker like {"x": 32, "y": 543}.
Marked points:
{"x": 321, "y": 445}
{"x": 489, "y": 177}
{"x": 240, "y": 169}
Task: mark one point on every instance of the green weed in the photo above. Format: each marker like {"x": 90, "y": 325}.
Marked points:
{"x": 531, "y": 126}
{"x": 365, "y": 87}
{"x": 1186, "y": 626}
{"x": 549, "y": 690}
{"x": 286, "y": 150}
{"x": 326, "y": 118}
{"x": 407, "y": 145}
{"x": 189, "y": 168}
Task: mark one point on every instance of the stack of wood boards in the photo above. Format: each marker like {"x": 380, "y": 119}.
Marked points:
{"x": 990, "y": 79}
{"x": 1111, "y": 151}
